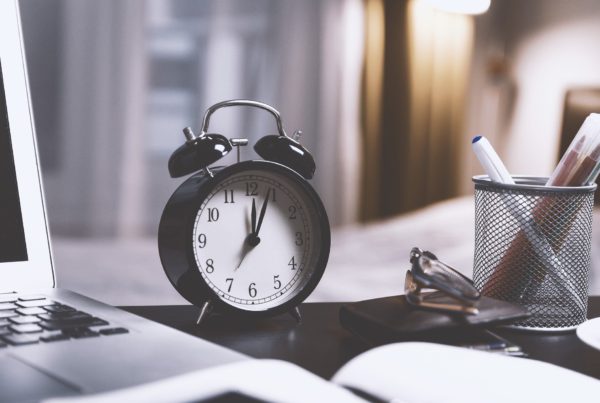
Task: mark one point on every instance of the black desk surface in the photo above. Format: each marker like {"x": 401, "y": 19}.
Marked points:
{"x": 320, "y": 345}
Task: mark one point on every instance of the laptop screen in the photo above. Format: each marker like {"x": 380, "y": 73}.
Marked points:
{"x": 12, "y": 234}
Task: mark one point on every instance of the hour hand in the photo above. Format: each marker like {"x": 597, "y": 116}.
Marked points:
{"x": 252, "y": 238}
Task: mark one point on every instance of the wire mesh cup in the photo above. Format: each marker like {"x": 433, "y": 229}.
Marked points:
{"x": 533, "y": 247}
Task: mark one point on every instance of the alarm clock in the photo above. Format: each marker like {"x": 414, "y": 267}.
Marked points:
{"x": 250, "y": 239}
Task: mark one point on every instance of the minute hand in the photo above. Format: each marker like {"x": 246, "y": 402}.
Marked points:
{"x": 253, "y": 216}
{"x": 262, "y": 213}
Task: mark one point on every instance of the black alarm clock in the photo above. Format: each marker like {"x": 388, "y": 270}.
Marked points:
{"x": 249, "y": 239}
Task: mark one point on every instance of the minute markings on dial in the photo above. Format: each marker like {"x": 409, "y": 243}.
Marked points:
{"x": 264, "y": 269}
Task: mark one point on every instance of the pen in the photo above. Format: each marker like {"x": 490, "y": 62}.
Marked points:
{"x": 498, "y": 345}
{"x": 580, "y": 164}
{"x": 594, "y": 175}
{"x": 530, "y": 235}
{"x": 491, "y": 162}
{"x": 585, "y": 173}
{"x": 566, "y": 166}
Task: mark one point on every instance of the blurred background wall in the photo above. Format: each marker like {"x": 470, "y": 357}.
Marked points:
{"x": 388, "y": 94}
{"x": 115, "y": 82}
{"x": 527, "y": 54}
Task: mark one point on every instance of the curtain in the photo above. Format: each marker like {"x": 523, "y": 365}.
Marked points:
{"x": 129, "y": 75}
{"x": 414, "y": 88}
{"x": 97, "y": 186}
{"x": 341, "y": 55}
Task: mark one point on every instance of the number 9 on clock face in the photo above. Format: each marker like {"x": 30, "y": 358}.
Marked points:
{"x": 258, "y": 239}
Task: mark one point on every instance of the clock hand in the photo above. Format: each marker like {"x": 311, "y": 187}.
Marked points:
{"x": 249, "y": 243}
{"x": 262, "y": 213}
{"x": 253, "y": 214}
{"x": 247, "y": 247}
{"x": 252, "y": 239}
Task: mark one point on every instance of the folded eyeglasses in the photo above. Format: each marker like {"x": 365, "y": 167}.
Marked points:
{"x": 455, "y": 292}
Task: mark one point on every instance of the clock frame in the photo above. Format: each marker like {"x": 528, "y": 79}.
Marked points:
{"x": 176, "y": 248}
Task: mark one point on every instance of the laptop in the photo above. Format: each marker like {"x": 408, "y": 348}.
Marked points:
{"x": 55, "y": 342}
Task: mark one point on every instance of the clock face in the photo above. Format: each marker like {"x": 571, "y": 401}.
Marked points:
{"x": 256, "y": 239}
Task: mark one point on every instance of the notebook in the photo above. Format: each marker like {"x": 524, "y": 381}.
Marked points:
{"x": 400, "y": 372}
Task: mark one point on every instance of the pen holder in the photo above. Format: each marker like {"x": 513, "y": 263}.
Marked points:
{"x": 533, "y": 247}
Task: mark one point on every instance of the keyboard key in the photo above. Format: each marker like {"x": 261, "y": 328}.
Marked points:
{"x": 27, "y": 328}
{"x": 45, "y": 320}
{"x": 59, "y": 308}
{"x": 8, "y": 298}
{"x": 31, "y": 311}
{"x": 30, "y": 304}
{"x": 80, "y": 333}
{"x": 7, "y": 314}
{"x": 80, "y": 318}
{"x": 63, "y": 315}
{"x": 20, "y": 339}
{"x": 31, "y": 297}
{"x": 72, "y": 323}
{"x": 54, "y": 337}
{"x": 98, "y": 322}
{"x": 114, "y": 330}
{"x": 21, "y": 320}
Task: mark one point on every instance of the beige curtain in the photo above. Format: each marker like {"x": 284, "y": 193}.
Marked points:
{"x": 414, "y": 86}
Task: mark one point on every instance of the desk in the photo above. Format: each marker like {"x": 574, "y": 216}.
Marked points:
{"x": 320, "y": 345}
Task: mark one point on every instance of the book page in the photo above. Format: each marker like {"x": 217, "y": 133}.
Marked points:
{"x": 268, "y": 380}
{"x": 427, "y": 372}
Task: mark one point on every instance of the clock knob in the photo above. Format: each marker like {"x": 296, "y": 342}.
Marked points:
{"x": 197, "y": 153}
{"x": 288, "y": 152}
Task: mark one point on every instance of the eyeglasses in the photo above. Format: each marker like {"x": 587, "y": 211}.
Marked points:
{"x": 455, "y": 292}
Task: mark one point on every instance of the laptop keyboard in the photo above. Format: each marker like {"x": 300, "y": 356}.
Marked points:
{"x": 37, "y": 319}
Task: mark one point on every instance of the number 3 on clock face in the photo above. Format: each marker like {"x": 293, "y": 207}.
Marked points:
{"x": 258, "y": 240}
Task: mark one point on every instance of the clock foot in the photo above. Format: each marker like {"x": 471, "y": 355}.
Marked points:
{"x": 204, "y": 312}
{"x": 295, "y": 313}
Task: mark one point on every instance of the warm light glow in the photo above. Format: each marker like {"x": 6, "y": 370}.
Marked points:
{"x": 461, "y": 6}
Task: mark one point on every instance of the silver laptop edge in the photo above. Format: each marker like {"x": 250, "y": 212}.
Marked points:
{"x": 37, "y": 271}
{"x": 148, "y": 352}
{"x": 40, "y": 179}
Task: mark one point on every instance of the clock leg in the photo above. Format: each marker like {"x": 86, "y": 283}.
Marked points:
{"x": 295, "y": 313}
{"x": 204, "y": 312}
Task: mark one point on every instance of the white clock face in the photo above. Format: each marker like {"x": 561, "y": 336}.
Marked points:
{"x": 255, "y": 239}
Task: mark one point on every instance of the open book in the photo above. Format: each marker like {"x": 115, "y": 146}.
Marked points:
{"x": 401, "y": 372}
